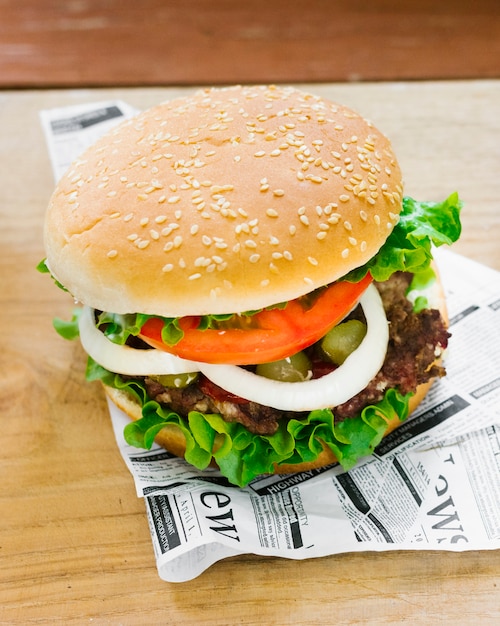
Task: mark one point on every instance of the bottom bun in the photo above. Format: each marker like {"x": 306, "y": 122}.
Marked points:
{"x": 172, "y": 439}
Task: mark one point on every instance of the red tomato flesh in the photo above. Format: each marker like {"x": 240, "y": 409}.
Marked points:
{"x": 268, "y": 335}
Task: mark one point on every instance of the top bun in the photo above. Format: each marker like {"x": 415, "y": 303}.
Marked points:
{"x": 224, "y": 201}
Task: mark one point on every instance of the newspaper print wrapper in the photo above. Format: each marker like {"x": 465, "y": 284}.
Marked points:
{"x": 433, "y": 484}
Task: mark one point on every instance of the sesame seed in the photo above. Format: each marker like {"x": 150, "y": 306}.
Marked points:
{"x": 260, "y": 153}
{"x": 321, "y": 235}
{"x": 167, "y": 268}
{"x": 345, "y": 253}
{"x": 278, "y": 192}
{"x": 347, "y": 225}
{"x": 154, "y": 234}
{"x": 308, "y": 281}
{"x": 312, "y": 260}
{"x": 272, "y": 213}
{"x": 344, "y": 198}
{"x": 249, "y": 243}
{"x": 194, "y": 229}
{"x": 112, "y": 254}
{"x": 144, "y": 221}
{"x": 265, "y": 282}
{"x": 304, "y": 219}
{"x": 132, "y": 237}
{"x": 142, "y": 196}
{"x": 173, "y": 199}
{"x": 292, "y": 229}
{"x": 288, "y": 255}
{"x": 142, "y": 243}
{"x": 353, "y": 241}
{"x": 363, "y": 246}
{"x": 314, "y": 179}
{"x": 194, "y": 276}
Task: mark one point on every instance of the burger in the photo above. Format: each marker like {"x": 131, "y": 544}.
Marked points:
{"x": 257, "y": 293}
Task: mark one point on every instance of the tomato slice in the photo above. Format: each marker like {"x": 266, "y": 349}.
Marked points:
{"x": 268, "y": 335}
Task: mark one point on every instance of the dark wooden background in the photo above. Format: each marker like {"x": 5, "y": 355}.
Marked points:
{"x": 64, "y": 43}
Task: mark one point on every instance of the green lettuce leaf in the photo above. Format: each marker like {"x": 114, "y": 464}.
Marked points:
{"x": 409, "y": 246}
{"x": 43, "y": 268}
{"x": 241, "y": 455}
{"x": 68, "y": 329}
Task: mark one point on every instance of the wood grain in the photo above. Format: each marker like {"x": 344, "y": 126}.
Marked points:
{"x": 161, "y": 42}
{"x": 74, "y": 542}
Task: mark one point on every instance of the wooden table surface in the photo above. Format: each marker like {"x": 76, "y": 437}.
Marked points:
{"x": 74, "y": 542}
{"x": 170, "y": 42}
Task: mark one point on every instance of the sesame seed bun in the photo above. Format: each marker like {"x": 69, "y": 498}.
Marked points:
{"x": 224, "y": 201}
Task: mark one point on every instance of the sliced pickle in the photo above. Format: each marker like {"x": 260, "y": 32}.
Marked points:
{"x": 293, "y": 369}
{"x": 175, "y": 380}
{"x": 342, "y": 340}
